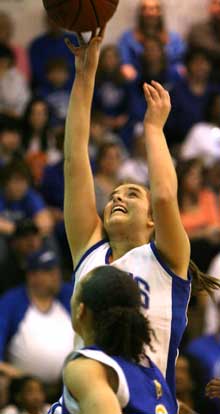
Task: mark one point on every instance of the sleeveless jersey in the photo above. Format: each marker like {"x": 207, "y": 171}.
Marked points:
{"x": 165, "y": 298}
{"x": 141, "y": 389}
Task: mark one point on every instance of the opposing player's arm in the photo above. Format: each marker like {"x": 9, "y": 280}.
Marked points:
{"x": 171, "y": 238}
{"x": 95, "y": 396}
{"x": 80, "y": 215}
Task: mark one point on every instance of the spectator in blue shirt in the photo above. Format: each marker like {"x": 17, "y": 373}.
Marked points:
{"x": 57, "y": 91}
{"x": 35, "y": 323}
{"x": 205, "y": 354}
{"x": 18, "y": 200}
{"x": 48, "y": 46}
{"x": 190, "y": 95}
{"x": 150, "y": 22}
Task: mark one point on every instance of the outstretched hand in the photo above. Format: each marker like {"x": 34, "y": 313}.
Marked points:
{"x": 87, "y": 54}
{"x": 213, "y": 388}
{"x": 158, "y": 104}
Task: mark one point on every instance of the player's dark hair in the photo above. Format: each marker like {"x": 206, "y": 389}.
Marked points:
{"x": 202, "y": 281}
{"x": 114, "y": 299}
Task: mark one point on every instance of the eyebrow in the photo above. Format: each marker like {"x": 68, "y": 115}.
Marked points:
{"x": 128, "y": 188}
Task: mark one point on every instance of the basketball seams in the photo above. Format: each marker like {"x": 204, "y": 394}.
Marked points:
{"x": 77, "y": 14}
{"x": 95, "y": 13}
{"x": 55, "y": 4}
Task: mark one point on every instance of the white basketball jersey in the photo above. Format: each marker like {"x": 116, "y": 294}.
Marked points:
{"x": 165, "y": 298}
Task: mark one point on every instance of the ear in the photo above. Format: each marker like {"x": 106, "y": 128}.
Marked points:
{"x": 80, "y": 311}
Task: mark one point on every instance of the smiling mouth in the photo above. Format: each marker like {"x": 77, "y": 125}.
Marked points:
{"x": 119, "y": 209}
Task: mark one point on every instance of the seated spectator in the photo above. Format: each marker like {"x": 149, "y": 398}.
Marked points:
{"x": 205, "y": 355}
{"x": 57, "y": 91}
{"x": 199, "y": 212}
{"x": 49, "y": 45}
{"x": 25, "y": 240}
{"x": 153, "y": 65}
{"x": 134, "y": 168}
{"x": 52, "y": 189}
{"x": 203, "y": 140}
{"x": 18, "y": 201}
{"x": 28, "y": 395}
{"x": 99, "y": 135}
{"x": 111, "y": 92}
{"x": 190, "y": 95}
{"x": 6, "y": 37}
{"x": 150, "y": 22}
{"x": 107, "y": 164}
{"x": 206, "y": 35}
{"x": 10, "y": 141}
{"x": 14, "y": 90}
{"x": 30, "y": 342}
{"x": 36, "y": 132}
{"x": 184, "y": 382}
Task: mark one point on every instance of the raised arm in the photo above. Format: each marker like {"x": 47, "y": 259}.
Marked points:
{"x": 171, "y": 239}
{"x": 82, "y": 223}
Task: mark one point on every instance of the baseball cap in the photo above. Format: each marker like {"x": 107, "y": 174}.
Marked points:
{"x": 24, "y": 228}
{"x": 43, "y": 259}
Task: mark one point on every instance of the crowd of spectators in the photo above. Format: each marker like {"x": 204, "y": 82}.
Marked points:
{"x": 35, "y": 262}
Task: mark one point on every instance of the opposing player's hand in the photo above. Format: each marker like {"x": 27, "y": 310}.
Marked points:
{"x": 158, "y": 104}
{"x": 87, "y": 54}
{"x": 213, "y": 388}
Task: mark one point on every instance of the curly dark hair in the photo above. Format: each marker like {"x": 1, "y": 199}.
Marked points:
{"x": 119, "y": 326}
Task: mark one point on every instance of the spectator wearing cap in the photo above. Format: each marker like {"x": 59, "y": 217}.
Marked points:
{"x": 24, "y": 241}
{"x": 14, "y": 90}
{"x": 35, "y": 323}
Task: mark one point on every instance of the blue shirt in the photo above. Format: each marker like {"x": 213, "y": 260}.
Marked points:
{"x": 27, "y": 207}
{"x": 13, "y": 306}
{"x": 131, "y": 49}
{"x": 47, "y": 47}
{"x": 205, "y": 350}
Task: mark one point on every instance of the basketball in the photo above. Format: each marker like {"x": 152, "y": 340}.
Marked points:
{"x": 80, "y": 15}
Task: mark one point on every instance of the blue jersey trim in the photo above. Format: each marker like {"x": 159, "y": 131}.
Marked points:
{"x": 166, "y": 267}
{"x": 107, "y": 256}
{"x": 90, "y": 250}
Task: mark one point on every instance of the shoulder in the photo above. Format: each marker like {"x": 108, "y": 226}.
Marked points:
{"x": 77, "y": 372}
{"x": 15, "y": 298}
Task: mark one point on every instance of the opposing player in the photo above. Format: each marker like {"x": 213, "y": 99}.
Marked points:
{"x": 133, "y": 216}
{"x": 106, "y": 313}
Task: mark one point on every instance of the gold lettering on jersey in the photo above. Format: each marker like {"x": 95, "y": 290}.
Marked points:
{"x": 160, "y": 409}
{"x": 158, "y": 388}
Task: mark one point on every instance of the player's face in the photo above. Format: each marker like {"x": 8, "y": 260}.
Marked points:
{"x": 129, "y": 205}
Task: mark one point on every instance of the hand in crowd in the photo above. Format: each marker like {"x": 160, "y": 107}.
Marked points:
{"x": 213, "y": 388}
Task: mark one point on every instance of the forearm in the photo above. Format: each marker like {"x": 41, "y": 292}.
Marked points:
{"x": 162, "y": 175}
{"x": 77, "y": 127}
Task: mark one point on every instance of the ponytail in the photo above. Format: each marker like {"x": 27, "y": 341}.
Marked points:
{"x": 202, "y": 281}
{"x": 122, "y": 331}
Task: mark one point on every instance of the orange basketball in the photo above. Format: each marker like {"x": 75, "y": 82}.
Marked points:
{"x": 80, "y": 15}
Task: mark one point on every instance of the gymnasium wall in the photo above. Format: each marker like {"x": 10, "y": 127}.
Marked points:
{"x": 28, "y": 16}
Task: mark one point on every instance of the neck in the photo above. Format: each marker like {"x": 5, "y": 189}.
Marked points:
{"x": 198, "y": 86}
{"x": 120, "y": 247}
{"x": 186, "y": 397}
{"x": 42, "y": 302}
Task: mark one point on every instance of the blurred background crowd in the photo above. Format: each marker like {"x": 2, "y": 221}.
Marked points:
{"x": 36, "y": 270}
